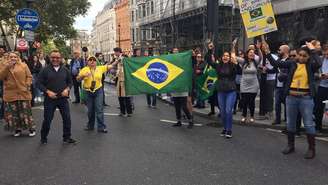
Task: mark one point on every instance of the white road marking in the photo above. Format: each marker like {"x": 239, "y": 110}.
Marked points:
{"x": 273, "y": 130}
{"x": 111, "y": 114}
{"x": 38, "y": 108}
{"x": 183, "y": 123}
{"x": 321, "y": 139}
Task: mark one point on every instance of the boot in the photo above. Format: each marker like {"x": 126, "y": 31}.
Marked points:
{"x": 310, "y": 154}
{"x": 178, "y": 124}
{"x": 291, "y": 144}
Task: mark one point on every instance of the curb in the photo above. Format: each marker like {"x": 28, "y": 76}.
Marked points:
{"x": 237, "y": 122}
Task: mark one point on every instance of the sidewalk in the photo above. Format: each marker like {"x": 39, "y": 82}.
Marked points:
{"x": 237, "y": 117}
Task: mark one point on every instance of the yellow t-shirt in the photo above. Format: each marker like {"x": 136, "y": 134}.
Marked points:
{"x": 96, "y": 76}
{"x": 300, "y": 78}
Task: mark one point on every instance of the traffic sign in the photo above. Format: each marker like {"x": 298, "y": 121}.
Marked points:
{"x": 29, "y": 35}
{"x": 22, "y": 44}
{"x": 27, "y": 19}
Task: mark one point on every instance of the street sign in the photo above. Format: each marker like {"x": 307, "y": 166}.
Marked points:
{"x": 22, "y": 44}
{"x": 27, "y": 19}
{"x": 29, "y": 35}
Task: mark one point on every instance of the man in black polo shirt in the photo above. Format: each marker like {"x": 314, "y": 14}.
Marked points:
{"x": 55, "y": 81}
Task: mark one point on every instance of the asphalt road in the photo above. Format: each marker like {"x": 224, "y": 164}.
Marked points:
{"x": 144, "y": 150}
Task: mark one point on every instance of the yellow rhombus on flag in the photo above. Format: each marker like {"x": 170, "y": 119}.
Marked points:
{"x": 172, "y": 73}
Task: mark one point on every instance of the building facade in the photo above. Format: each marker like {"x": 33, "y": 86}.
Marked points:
{"x": 106, "y": 30}
{"x": 299, "y": 20}
{"x": 81, "y": 40}
{"x": 163, "y": 24}
{"x": 123, "y": 26}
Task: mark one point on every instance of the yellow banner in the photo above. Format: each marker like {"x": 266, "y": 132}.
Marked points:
{"x": 258, "y": 17}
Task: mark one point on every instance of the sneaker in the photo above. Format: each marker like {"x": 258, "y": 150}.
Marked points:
{"x": 32, "y": 133}
{"x": 44, "y": 141}
{"x": 69, "y": 141}
{"x": 223, "y": 133}
{"x": 178, "y": 124}
{"x": 105, "y": 131}
{"x": 251, "y": 120}
{"x": 122, "y": 115}
{"x": 88, "y": 129}
{"x": 243, "y": 120}
{"x": 153, "y": 107}
{"x": 191, "y": 125}
{"x": 17, "y": 133}
{"x": 228, "y": 135}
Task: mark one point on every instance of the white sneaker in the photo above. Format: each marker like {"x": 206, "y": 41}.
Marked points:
{"x": 17, "y": 134}
{"x": 32, "y": 133}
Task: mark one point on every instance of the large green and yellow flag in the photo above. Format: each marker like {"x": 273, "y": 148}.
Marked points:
{"x": 158, "y": 74}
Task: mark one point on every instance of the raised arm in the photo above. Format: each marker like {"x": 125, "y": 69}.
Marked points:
{"x": 274, "y": 62}
{"x": 316, "y": 61}
{"x": 209, "y": 57}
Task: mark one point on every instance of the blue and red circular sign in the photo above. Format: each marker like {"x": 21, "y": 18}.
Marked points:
{"x": 27, "y": 19}
{"x": 157, "y": 72}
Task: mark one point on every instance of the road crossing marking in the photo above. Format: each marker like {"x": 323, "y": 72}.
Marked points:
{"x": 183, "y": 123}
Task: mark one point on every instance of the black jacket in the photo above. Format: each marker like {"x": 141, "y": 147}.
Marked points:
{"x": 311, "y": 67}
{"x": 55, "y": 81}
{"x": 226, "y": 74}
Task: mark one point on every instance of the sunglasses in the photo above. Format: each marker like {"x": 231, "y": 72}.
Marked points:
{"x": 92, "y": 60}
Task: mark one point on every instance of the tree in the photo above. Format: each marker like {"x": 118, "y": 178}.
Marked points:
{"x": 57, "y": 16}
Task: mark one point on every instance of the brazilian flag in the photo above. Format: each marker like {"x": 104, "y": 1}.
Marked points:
{"x": 256, "y": 13}
{"x": 206, "y": 83}
{"x": 158, "y": 74}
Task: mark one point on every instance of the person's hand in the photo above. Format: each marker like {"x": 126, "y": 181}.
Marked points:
{"x": 51, "y": 94}
{"x": 234, "y": 42}
{"x": 324, "y": 76}
{"x": 198, "y": 71}
{"x": 65, "y": 93}
{"x": 258, "y": 44}
{"x": 265, "y": 48}
{"x": 210, "y": 46}
{"x": 88, "y": 74}
{"x": 213, "y": 58}
{"x": 310, "y": 45}
{"x": 8, "y": 63}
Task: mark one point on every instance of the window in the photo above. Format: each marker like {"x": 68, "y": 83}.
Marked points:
{"x": 148, "y": 9}
{"x": 139, "y": 12}
{"x": 152, "y": 7}
{"x": 132, "y": 16}
{"x": 133, "y": 35}
{"x": 143, "y": 10}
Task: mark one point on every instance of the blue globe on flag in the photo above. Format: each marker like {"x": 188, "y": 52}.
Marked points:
{"x": 157, "y": 72}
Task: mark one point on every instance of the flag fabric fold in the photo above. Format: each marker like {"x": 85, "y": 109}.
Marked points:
{"x": 206, "y": 83}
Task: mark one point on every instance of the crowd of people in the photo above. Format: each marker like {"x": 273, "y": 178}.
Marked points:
{"x": 296, "y": 78}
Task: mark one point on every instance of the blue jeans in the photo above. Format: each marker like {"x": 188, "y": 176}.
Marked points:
{"x": 226, "y": 101}
{"x": 304, "y": 105}
{"x": 95, "y": 109}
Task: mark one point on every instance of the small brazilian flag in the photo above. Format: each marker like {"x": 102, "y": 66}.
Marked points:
{"x": 256, "y": 13}
{"x": 206, "y": 83}
{"x": 158, "y": 74}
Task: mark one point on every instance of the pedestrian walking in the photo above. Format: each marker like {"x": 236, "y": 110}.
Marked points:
{"x": 226, "y": 70}
{"x": 93, "y": 86}
{"x": 77, "y": 63}
{"x": 17, "y": 80}
{"x": 55, "y": 81}
{"x": 300, "y": 90}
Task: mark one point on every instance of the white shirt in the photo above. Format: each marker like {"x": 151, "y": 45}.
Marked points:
{"x": 57, "y": 68}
